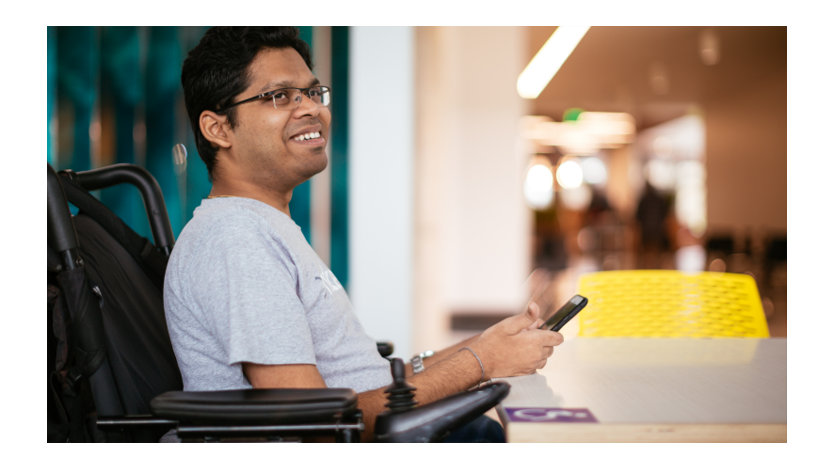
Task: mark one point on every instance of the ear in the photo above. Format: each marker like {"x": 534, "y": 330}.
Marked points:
{"x": 215, "y": 129}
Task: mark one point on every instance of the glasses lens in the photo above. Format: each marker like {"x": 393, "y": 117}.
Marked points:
{"x": 281, "y": 98}
{"x": 285, "y": 96}
{"x": 320, "y": 95}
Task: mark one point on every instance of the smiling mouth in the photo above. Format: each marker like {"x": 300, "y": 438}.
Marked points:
{"x": 308, "y": 136}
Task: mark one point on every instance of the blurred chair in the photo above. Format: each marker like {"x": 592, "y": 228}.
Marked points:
{"x": 719, "y": 248}
{"x": 777, "y": 249}
{"x": 775, "y": 259}
{"x": 720, "y": 244}
{"x": 668, "y": 304}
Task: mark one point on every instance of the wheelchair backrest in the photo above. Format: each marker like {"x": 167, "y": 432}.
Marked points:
{"x": 110, "y": 353}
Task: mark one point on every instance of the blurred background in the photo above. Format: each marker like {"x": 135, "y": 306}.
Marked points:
{"x": 454, "y": 195}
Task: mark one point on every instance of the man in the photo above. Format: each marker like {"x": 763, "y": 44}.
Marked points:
{"x": 247, "y": 300}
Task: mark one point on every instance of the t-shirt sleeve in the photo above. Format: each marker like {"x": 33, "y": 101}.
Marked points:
{"x": 248, "y": 286}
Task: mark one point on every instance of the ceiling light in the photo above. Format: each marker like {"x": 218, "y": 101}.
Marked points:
{"x": 549, "y": 60}
{"x": 594, "y": 171}
{"x": 538, "y": 184}
{"x": 569, "y": 174}
{"x": 588, "y": 133}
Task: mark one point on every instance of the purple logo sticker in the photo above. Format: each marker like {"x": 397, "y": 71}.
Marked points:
{"x": 550, "y": 415}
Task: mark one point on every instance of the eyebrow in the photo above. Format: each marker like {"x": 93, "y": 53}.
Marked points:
{"x": 285, "y": 84}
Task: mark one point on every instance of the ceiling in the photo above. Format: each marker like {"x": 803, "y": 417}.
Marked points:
{"x": 657, "y": 73}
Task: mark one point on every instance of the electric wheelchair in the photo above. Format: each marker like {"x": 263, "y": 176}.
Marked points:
{"x": 112, "y": 374}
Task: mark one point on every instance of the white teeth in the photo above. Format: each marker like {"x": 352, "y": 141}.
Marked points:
{"x": 308, "y": 136}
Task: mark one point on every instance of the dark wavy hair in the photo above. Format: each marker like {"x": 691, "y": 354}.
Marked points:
{"x": 216, "y": 71}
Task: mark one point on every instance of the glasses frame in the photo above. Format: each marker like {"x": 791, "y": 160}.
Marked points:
{"x": 271, "y": 94}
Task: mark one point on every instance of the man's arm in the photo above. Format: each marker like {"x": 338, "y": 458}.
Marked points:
{"x": 283, "y": 376}
{"x": 532, "y": 310}
{"x": 509, "y": 348}
{"x": 441, "y": 382}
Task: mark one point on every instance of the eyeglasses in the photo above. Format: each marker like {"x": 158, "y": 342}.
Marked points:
{"x": 287, "y": 98}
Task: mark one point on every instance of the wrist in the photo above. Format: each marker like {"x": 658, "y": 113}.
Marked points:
{"x": 417, "y": 364}
{"x": 473, "y": 353}
{"x": 484, "y": 351}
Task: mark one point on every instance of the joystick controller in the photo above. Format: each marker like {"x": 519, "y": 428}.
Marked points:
{"x": 400, "y": 393}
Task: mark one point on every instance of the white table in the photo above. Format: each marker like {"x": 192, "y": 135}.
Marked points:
{"x": 653, "y": 390}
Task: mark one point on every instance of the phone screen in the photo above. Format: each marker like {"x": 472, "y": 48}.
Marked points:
{"x": 564, "y": 314}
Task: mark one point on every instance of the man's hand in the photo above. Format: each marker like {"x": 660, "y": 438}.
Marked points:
{"x": 515, "y": 345}
{"x": 534, "y": 311}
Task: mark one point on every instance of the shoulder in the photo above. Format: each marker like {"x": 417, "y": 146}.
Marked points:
{"x": 231, "y": 231}
{"x": 232, "y": 222}
{"x": 227, "y": 238}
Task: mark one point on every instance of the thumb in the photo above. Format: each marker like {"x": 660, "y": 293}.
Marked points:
{"x": 533, "y": 309}
{"x": 519, "y": 322}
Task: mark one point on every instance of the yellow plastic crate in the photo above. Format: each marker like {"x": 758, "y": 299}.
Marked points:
{"x": 671, "y": 304}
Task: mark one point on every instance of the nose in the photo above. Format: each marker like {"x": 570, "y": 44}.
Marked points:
{"x": 305, "y": 106}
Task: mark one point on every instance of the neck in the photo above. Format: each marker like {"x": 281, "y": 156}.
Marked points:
{"x": 233, "y": 179}
{"x": 278, "y": 200}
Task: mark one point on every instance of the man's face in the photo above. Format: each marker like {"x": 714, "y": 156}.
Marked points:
{"x": 267, "y": 145}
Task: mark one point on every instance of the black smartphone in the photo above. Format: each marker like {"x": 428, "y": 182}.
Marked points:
{"x": 564, "y": 314}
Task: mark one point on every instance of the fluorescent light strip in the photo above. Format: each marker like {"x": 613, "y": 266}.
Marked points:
{"x": 549, "y": 60}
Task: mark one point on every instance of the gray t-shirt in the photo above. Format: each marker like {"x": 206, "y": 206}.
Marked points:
{"x": 243, "y": 285}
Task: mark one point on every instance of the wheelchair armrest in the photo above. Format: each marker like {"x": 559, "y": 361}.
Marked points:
{"x": 256, "y": 406}
{"x": 431, "y": 422}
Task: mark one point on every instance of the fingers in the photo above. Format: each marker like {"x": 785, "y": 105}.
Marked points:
{"x": 520, "y": 354}
{"x": 547, "y": 351}
{"x": 536, "y": 324}
{"x": 522, "y": 321}
{"x": 548, "y": 338}
{"x": 512, "y": 347}
{"x": 533, "y": 309}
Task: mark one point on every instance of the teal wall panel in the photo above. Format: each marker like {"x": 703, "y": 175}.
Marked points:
{"x": 300, "y": 204}
{"x": 51, "y": 92}
{"x": 339, "y": 248}
{"x": 77, "y": 85}
{"x": 122, "y": 91}
{"x": 162, "y": 85}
